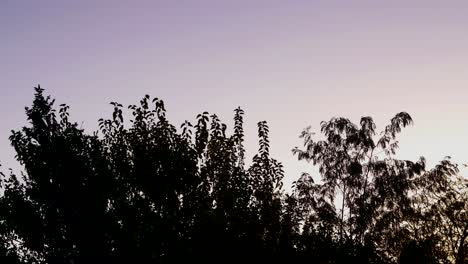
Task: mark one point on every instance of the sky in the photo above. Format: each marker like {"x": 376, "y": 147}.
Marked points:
{"x": 292, "y": 63}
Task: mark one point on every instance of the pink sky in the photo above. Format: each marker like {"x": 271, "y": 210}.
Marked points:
{"x": 292, "y": 63}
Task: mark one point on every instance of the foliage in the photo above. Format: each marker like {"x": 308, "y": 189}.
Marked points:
{"x": 142, "y": 190}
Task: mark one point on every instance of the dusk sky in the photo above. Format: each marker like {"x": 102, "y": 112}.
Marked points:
{"x": 292, "y": 63}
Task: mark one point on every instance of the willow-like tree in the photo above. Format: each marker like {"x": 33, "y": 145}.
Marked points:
{"x": 376, "y": 191}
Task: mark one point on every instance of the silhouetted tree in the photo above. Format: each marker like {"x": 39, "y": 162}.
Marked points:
{"x": 440, "y": 217}
{"x": 376, "y": 190}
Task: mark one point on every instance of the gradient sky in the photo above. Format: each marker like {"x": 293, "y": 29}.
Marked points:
{"x": 292, "y": 63}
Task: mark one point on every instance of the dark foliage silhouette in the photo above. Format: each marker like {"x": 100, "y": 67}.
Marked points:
{"x": 144, "y": 191}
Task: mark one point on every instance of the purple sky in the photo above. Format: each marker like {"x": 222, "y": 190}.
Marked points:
{"x": 292, "y": 63}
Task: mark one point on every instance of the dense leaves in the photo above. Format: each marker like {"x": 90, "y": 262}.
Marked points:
{"x": 145, "y": 191}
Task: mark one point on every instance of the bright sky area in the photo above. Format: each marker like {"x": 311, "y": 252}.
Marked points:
{"x": 292, "y": 63}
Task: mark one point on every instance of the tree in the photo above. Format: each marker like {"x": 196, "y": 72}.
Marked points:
{"x": 57, "y": 210}
{"x": 441, "y": 213}
{"x": 145, "y": 192}
{"x": 375, "y": 188}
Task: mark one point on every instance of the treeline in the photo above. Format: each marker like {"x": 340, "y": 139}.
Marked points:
{"x": 145, "y": 191}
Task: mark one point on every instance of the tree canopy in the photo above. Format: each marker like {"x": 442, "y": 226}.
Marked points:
{"x": 145, "y": 191}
